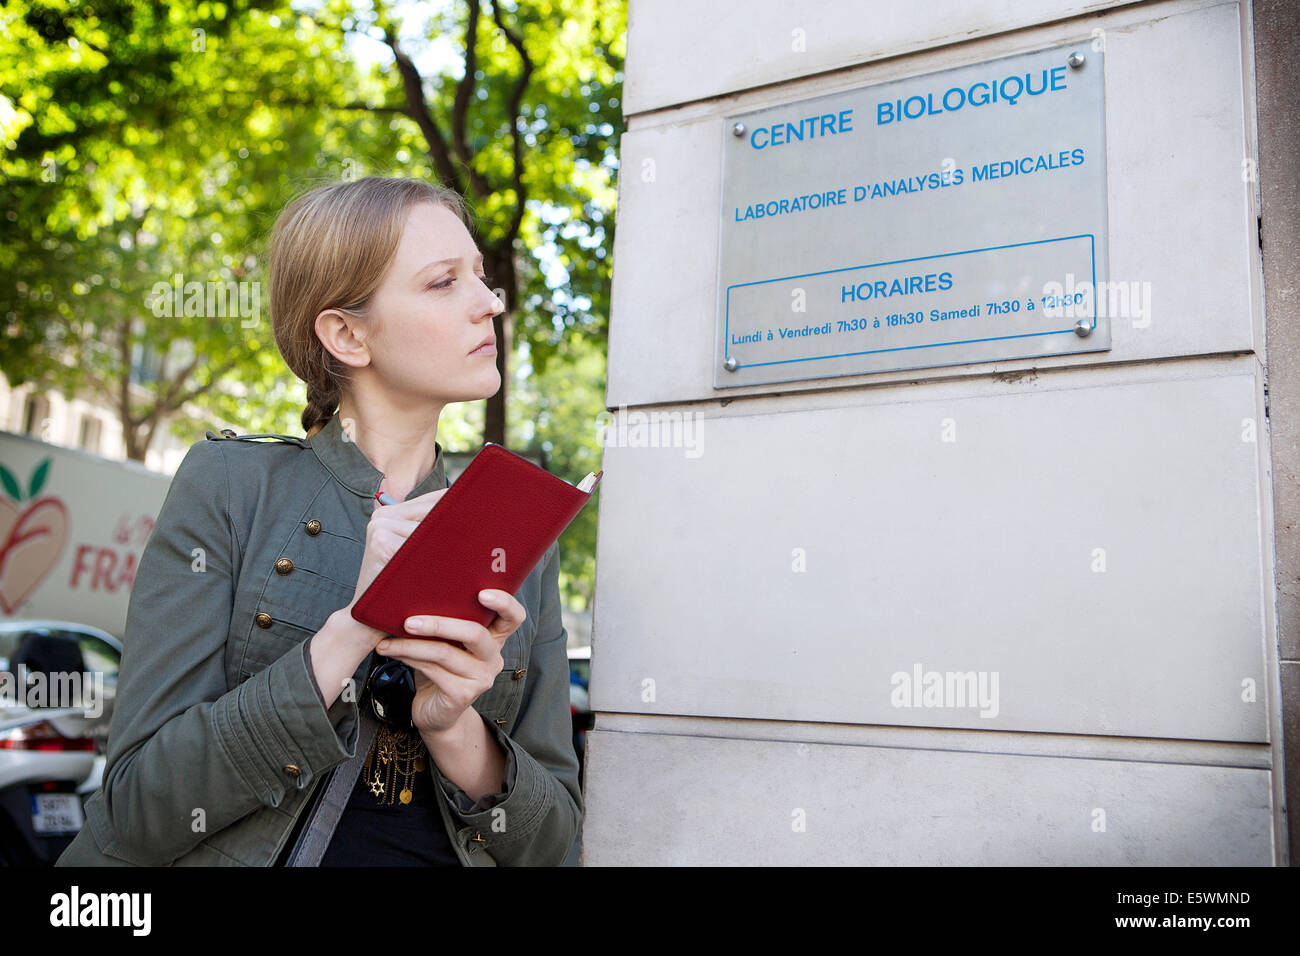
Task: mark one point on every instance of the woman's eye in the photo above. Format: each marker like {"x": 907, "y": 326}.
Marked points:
{"x": 442, "y": 283}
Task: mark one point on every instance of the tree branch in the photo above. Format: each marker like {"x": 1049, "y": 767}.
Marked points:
{"x": 366, "y": 107}
{"x": 124, "y": 382}
{"x": 516, "y": 144}
{"x": 465, "y": 88}
{"x": 213, "y": 379}
{"x": 418, "y": 110}
{"x": 166, "y": 401}
{"x": 98, "y": 385}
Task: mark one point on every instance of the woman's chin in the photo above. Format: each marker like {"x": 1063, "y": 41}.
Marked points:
{"x": 485, "y": 386}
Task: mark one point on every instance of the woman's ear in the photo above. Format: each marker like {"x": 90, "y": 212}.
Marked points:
{"x": 337, "y": 331}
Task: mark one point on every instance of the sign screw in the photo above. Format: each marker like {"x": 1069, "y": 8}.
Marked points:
{"x": 1082, "y": 328}
{"x": 738, "y": 129}
{"x": 731, "y": 364}
{"x": 1076, "y": 60}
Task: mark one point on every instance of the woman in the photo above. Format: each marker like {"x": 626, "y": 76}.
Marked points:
{"x": 244, "y": 678}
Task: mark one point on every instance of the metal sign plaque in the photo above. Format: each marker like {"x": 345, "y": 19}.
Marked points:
{"x": 943, "y": 219}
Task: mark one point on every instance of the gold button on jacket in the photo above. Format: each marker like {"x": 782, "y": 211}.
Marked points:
{"x": 221, "y": 660}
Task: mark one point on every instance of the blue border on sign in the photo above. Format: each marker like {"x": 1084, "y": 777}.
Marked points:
{"x": 1092, "y": 253}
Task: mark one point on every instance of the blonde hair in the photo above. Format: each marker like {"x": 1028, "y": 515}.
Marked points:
{"x": 330, "y": 249}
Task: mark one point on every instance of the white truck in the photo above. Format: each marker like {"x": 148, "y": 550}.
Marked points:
{"x": 72, "y": 528}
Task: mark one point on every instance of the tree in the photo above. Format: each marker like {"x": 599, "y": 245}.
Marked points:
{"x": 146, "y": 140}
{"x": 529, "y": 116}
{"x": 558, "y": 410}
{"x": 140, "y": 168}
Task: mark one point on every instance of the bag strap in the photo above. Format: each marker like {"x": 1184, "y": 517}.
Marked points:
{"x": 316, "y": 835}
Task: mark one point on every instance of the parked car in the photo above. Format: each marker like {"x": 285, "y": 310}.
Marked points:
{"x": 56, "y": 703}
{"x": 579, "y": 702}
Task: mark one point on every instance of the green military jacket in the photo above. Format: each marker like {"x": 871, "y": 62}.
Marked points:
{"x": 220, "y": 734}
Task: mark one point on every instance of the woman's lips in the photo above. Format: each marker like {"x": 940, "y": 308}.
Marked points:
{"x": 488, "y": 348}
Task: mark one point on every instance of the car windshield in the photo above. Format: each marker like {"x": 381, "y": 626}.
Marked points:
{"x": 57, "y": 649}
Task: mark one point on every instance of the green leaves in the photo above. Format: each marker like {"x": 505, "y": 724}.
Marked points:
{"x": 10, "y": 484}
{"x": 175, "y": 164}
{"x": 14, "y": 490}
{"x": 38, "y": 478}
{"x": 146, "y": 139}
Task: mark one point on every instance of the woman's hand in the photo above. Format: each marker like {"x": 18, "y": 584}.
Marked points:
{"x": 339, "y": 648}
{"x": 449, "y": 677}
{"x": 390, "y": 526}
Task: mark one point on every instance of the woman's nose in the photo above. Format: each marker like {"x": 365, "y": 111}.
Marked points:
{"x": 494, "y": 303}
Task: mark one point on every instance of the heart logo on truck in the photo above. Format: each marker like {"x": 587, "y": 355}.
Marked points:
{"x": 31, "y": 538}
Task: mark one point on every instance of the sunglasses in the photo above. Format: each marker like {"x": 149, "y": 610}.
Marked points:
{"x": 391, "y": 691}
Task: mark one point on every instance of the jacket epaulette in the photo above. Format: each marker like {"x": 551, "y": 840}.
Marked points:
{"x": 228, "y": 434}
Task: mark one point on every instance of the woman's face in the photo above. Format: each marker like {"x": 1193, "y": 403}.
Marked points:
{"x": 432, "y": 312}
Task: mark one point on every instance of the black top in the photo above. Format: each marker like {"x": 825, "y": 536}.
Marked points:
{"x": 370, "y": 833}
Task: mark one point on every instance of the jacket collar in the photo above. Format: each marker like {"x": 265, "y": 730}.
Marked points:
{"x": 353, "y": 470}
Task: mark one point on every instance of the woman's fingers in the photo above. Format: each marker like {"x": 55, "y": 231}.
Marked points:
{"x": 393, "y": 529}
{"x": 459, "y": 672}
{"x": 473, "y": 641}
{"x": 453, "y": 659}
{"x": 468, "y": 633}
{"x": 402, "y": 518}
{"x": 458, "y": 691}
{"x": 415, "y": 508}
{"x": 480, "y": 641}
{"x": 510, "y": 613}
{"x": 390, "y": 526}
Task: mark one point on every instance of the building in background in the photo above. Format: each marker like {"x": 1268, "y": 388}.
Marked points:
{"x": 917, "y": 543}
{"x": 77, "y": 423}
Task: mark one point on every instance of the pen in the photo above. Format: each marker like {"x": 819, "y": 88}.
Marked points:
{"x": 384, "y": 498}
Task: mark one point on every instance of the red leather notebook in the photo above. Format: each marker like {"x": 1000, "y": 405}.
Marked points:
{"x": 489, "y": 531}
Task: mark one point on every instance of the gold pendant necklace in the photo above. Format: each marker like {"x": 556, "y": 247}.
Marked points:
{"x": 396, "y": 754}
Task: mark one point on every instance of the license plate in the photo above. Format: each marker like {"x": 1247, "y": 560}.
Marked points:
{"x": 56, "y": 814}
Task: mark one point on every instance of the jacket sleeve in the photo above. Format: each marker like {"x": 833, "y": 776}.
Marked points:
{"x": 188, "y": 756}
{"x": 539, "y": 817}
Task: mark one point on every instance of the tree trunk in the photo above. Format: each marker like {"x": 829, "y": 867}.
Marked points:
{"x": 501, "y": 268}
{"x": 494, "y": 417}
{"x": 137, "y": 444}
